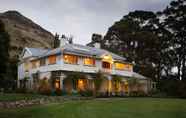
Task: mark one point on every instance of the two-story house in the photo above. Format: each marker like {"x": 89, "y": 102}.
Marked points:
{"x": 55, "y": 64}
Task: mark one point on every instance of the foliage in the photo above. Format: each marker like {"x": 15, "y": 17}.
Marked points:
{"x": 44, "y": 87}
{"x": 74, "y": 76}
{"x": 58, "y": 92}
{"x": 98, "y": 80}
{"x": 86, "y": 93}
{"x": 116, "y": 79}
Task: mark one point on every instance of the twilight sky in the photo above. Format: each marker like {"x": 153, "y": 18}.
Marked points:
{"x": 79, "y": 18}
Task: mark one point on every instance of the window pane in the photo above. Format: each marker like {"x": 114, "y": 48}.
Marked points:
{"x": 42, "y": 62}
{"x": 52, "y": 59}
{"x": 70, "y": 59}
{"x": 89, "y": 61}
{"x": 121, "y": 66}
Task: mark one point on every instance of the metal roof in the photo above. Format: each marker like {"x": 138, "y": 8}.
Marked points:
{"x": 74, "y": 49}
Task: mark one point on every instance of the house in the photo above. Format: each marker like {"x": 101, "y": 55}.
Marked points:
{"x": 55, "y": 65}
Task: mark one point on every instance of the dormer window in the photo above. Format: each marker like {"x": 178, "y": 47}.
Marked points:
{"x": 70, "y": 59}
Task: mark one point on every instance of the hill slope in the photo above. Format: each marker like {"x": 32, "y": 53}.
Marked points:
{"x": 24, "y": 33}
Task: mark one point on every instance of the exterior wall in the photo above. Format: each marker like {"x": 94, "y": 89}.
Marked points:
{"x": 45, "y": 72}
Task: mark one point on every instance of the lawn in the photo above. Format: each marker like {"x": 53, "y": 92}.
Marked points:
{"x": 111, "y": 108}
{"x": 15, "y": 97}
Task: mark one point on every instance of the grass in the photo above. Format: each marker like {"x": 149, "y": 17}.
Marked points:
{"x": 111, "y": 108}
{"x": 15, "y": 97}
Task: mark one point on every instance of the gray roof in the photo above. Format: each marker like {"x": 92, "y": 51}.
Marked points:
{"x": 76, "y": 49}
{"x": 37, "y": 51}
{"x": 139, "y": 76}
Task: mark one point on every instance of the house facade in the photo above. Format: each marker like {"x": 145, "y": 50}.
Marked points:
{"x": 56, "y": 64}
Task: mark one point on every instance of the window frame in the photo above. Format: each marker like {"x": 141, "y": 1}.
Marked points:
{"x": 76, "y": 60}
{"x": 94, "y": 61}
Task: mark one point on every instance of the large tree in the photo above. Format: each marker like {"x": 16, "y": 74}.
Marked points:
{"x": 133, "y": 38}
{"x": 4, "y": 55}
{"x": 175, "y": 23}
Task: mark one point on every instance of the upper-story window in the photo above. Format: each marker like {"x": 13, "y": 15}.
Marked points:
{"x": 122, "y": 66}
{"x": 42, "y": 61}
{"x": 52, "y": 59}
{"x": 70, "y": 59}
{"x": 35, "y": 63}
{"x": 89, "y": 61}
{"x": 106, "y": 65}
{"x": 26, "y": 66}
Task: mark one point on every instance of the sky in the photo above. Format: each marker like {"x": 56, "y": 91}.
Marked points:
{"x": 79, "y": 18}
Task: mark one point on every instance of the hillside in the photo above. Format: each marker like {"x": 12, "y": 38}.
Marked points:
{"x": 24, "y": 32}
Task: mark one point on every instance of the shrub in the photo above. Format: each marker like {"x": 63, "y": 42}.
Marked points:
{"x": 44, "y": 87}
{"x": 58, "y": 92}
{"x": 86, "y": 93}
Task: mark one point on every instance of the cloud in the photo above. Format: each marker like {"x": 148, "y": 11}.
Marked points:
{"x": 80, "y": 18}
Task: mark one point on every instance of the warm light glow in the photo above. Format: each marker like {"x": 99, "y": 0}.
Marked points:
{"x": 122, "y": 66}
{"x": 35, "y": 63}
{"x": 26, "y": 66}
{"x": 89, "y": 61}
{"x": 81, "y": 84}
{"x": 57, "y": 84}
{"x": 70, "y": 59}
{"x": 52, "y": 59}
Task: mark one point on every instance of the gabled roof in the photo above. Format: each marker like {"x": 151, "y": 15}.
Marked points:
{"x": 37, "y": 51}
{"x": 139, "y": 76}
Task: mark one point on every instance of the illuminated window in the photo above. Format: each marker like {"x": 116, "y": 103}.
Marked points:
{"x": 89, "y": 61}
{"x": 52, "y": 59}
{"x": 34, "y": 63}
{"x": 70, "y": 59}
{"x": 26, "y": 66}
{"x": 121, "y": 66}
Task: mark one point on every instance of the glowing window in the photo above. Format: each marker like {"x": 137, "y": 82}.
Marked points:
{"x": 89, "y": 61}
{"x": 70, "y": 59}
{"x": 121, "y": 66}
{"x": 52, "y": 59}
{"x": 34, "y": 63}
{"x": 26, "y": 66}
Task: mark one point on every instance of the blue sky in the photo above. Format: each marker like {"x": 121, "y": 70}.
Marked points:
{"x": 79, "y": 18}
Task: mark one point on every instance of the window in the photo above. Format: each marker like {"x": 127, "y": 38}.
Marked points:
{"x": 121, "y": 66}
{"x": 89, "y": 61}
{"x": 26, "y": 66}
{"x": 70, "y": 59}
{"x": 106, "y": 65}
{"x": 52, "y": 59}
{"x": 42, "y": 62}
{"x": 34, "y": 63}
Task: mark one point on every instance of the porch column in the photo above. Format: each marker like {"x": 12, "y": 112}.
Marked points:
{"x": 109, "y": 85}
{"x": 61, "y": 82}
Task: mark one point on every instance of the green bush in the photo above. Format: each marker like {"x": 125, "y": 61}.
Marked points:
{"x": 58, "y": 92}
{"x": 86, "y": 93}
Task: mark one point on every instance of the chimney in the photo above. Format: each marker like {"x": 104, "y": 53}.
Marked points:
{"x": 63, "y": 41}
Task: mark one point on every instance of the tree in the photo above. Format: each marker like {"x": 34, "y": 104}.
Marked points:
{"x": 175, "y": 23}
{"x": 5, "y": 81}
{"x": 133, "y": 37}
